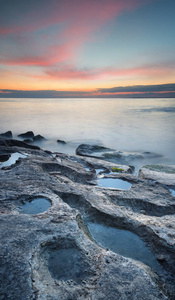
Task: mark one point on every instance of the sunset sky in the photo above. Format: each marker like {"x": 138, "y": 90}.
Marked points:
{"x": 93, "y": 48}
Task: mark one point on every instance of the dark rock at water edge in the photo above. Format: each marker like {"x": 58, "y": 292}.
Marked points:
{"x": 38, "y": 137}
{"x": 34, "y": 139}
{"x": 61, "y": 142}
{"x": 86, "y": 149}
{"x": 4, "y": 157}
{"x": 28, "y": 141}
{"x": 28, "y": 134}
{"x": 116, "y": 156}
{"x": 7, "y": 134}
{"x": 16, "y": 143}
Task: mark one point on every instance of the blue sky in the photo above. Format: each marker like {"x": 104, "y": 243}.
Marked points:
{"x": 75, "y": 47}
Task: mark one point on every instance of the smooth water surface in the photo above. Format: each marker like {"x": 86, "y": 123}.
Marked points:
{"x": 87, "y": 169}
{"x": 66, "y": 264}
{"x": 122, "y": 242}
{"x": 115, "y": 183}
{"x": 172, "y": 192}
{"x": 99, "y": 170}
{"x": 12, "y": 160}
{"x": 121, "y": 124}
{"x": 36, "y": 206}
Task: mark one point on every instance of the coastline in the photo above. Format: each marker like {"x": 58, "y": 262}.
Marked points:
{"x": 63, "y": 232}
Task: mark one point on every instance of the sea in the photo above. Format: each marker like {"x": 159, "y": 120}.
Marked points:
{"x": 136, "y": 125}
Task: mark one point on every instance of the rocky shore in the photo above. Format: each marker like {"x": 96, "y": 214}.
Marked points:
{"x": 61, "y": 252}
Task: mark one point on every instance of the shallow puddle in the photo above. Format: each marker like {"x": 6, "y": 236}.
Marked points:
{"x": 12, "y": 160}
{"x": 122, "y": 242}
{"x": 172, "y": 192}
{"x": 99, "y": 171}
{"x": 66, "y": 264}
{"x": 114, "y": 183}
{"x": 87, "y": 169}
{"x": 36, "y": 206}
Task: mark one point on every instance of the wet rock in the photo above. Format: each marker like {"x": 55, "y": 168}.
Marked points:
{"x": 28, "y": 141}
{"x": 38, "y": 137}
{"x": 61, "y": 142}
{"x": 26, "y": 135}
{"x": 4, "y": 157}
{"x": 108, "y": 154}
{"x": 161, "y": 258}
{"x": 16, "y": 143}
{"x": 163, "y": 174}
{"x": 86, "y": 150}
{"x": 7, "y": 134}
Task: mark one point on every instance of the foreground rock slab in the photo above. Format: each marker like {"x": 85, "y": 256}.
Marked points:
{"x": 52, "y": 255}
{"x": 164, "y": 174}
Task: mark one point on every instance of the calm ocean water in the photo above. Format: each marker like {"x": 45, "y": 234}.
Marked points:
{"x": 122, "y": 124}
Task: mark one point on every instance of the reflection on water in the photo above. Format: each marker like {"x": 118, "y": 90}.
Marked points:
{"x": 100, "y": 170}
{"x": 122, "y": 124}
{"x": 36, "y": 206}
{"x": 12, "y": 160}
{"x": 122, "y": 242}
{"x": 66, "y": 264}
{"x": 172, "y": 192}
{"x": 115, "y": 183}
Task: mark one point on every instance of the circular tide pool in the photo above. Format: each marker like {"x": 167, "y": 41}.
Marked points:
{"x": 34, "y": 206}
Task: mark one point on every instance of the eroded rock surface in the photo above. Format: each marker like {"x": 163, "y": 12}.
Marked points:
{"x": 108, "y": 154}
{"x": 52, "y": 255}
{"x": 164, "y": 174}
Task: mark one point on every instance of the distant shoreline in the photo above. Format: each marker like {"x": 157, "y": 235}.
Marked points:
{"x": 89, "y": 97}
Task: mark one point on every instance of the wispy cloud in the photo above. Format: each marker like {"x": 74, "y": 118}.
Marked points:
{"x": 140, "y": 91}
{"x": 140, "y": 88}
{"x": 55, "y": 43}
{"x": 87, "y": 14}
{"x": 69, "y": 72}
{"x": 52, "y": 55}
{"x": 79, "y": 19}
{"x": 43, "y": 94}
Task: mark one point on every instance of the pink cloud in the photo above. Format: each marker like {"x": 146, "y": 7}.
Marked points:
{"x": 72, "y": 73}
{"x": 80, "y": 18}
{"x": 91, "y": 13}
{"x": 52, "y": 55}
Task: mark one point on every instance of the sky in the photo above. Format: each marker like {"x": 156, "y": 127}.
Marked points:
{"x": 94, "y": 48}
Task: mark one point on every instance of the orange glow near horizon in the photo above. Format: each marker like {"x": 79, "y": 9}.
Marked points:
{"x": 83, "y": 46}
{"x": 19, "y": 79}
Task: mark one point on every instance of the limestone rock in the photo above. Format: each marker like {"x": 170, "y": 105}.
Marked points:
{"x": 116, "y": 156}
{"x": 52, "y": 255}
{"x": 163, "y": 174}
{"x": 86, "y": 150}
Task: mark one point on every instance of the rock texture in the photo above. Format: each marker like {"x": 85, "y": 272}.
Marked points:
{"x": 52, "y": 255}
{"x": 61, "y": 142}
{"x": 161, "y": 173}
{"x": 27, "y": 135}
{"x": 38, "y": 137}
{"x": 7, "y": 134}
{"x": 108, "y": 154}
